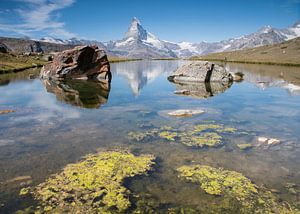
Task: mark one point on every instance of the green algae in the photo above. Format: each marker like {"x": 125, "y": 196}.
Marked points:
{"x": 234, "y": 190}
{"x": 170, "y": 136}
{"x": 93, "y": 185}
{"x": 209, "y": 139}
{"x": 140, "y": 136}
{"x": 24, "y": 191}
{"x": 201, "y": 135}
{"x": 244, "y": 146}
{"x": 205, "y": 127}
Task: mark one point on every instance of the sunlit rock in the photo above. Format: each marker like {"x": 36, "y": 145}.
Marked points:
{"x": 81, "y": 62}
{"x": 201, "y": 71}
{"x": 185, "y": 112}
{"x": 268, "y": 141}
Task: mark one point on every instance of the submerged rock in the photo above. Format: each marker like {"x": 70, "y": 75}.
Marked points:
{"x": 235, "y": 192}
{"x": 200, "y": 71}
{"x": 93, "y": 185}
{"x": 244, "y": 146}
{"x": 82, "y": 62}
{"x": 185, "y": 112}
{"x": 268, "y": 141}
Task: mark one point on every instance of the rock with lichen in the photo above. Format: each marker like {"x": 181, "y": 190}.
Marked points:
{"x": 233, "y": 188}
{"x": 93, "y": 185}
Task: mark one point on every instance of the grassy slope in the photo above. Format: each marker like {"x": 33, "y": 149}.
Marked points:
{"x": 13, "y": 63}
{"x": 113, "y": 59}
{"x": 286, "y": 53}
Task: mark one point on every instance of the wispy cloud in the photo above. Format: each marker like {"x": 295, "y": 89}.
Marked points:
{"x": 39, "y": 16}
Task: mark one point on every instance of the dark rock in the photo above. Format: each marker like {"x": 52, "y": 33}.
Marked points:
{"x": 201, "y": 71}
{"x": 81, "y": 62}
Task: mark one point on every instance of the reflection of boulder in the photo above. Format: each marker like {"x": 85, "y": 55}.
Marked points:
{"x": 201, "y": 90}
{"x": 87, "y": 94}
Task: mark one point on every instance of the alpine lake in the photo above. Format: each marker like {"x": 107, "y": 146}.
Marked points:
{"x": 211, "y": 162}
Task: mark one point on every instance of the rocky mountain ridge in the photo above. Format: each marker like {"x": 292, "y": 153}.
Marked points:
{"x": 139, "y": 43}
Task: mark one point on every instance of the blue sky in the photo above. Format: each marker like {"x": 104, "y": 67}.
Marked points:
{"x": 173, "y": 20}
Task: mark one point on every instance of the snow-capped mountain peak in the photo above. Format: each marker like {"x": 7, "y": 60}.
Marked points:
{"x": 139, "y": 43}
{"x": 136, "y": 30}
{"x": 265, "y": 29}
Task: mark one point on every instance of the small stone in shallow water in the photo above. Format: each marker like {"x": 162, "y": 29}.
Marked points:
{"x": 262, "y": 139}
{"x": 244, "y": 146}
{"x": 273, "y": 141}
{"x": 268, "y": 141}
{"x": 185, "y": 112}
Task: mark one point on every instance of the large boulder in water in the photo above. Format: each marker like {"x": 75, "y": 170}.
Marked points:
{"x": 200, "y": 71}
{"x": 81, "y": 62}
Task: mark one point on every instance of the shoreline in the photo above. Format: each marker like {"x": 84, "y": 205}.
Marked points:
{"x": 249, "y": 62}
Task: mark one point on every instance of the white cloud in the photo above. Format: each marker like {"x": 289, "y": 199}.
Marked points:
{"x": 39, "y": 16}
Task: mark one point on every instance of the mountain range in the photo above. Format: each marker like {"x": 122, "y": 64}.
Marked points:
{"x": 139, "y": 43}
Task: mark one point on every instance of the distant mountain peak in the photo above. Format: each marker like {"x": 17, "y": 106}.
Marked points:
{"x": 136, "y": 30}
{"x": 265, "y": 29}
{"x": 135, "y": 20}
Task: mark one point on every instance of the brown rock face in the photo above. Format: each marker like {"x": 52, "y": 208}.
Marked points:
{"x": 81, "y": 62}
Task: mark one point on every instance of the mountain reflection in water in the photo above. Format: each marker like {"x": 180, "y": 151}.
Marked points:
{"x": 140, "y": 73}
{"x": 87, "y": 94}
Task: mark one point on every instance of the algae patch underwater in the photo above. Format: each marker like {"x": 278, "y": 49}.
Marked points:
{"x": 202, "y": 135}
{"x": 233, "y": 189}
{"x": 93, "y": 185}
